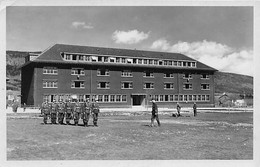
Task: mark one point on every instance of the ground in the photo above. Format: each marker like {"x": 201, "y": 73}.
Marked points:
{"x": 222, "y": 136}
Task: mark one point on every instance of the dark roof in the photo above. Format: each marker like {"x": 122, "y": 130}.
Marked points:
{"x": 52, "y": 54}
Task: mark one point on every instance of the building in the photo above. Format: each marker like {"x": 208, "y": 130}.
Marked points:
{"x": 117, "y": 77}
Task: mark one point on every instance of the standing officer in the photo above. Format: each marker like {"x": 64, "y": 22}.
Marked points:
{"x": 195, "y": 109}
{"x": 95, "y": 111}
{"x": 77, "y": 112}
{"x": 86, "y": 112}
{"x": 154, "y": 114}
{"x": 178, "y": 109}
{"x": 69, "y": 111}
{"x": 61, "y": 111}
{"x": 45, "y": 110}
{"x": 54, "y": 109}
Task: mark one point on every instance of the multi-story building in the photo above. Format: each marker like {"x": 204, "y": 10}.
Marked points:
{"x": 117, "y": 77}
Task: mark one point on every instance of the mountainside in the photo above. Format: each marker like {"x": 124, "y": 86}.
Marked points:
{"x": 233, "y": 83}
{"x": 224, "y": 82}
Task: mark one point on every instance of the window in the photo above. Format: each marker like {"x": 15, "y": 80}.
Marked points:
{"x": 148, "y": 85}
{"x": 176, "y": 98}
{"x": 74, "y": 57}
{"x": 194, "y": 98}
{"x": 187, "y": 76}
{"x": 189, "y": 64}
{"x": 103, "y": 85}
{"x": 77, "y": 71}
{"x": 118, "y": 98}
{"x": 203, "y": 97}
{"x": 185, "y": 97}
{"x": 145, "y": 61}
{"x": 124, "y": 98}
{"x": 168, "y": 75}
{"x": 118, "y": 59}
{"x": 175, "y": 63}
{"x": 181, "y": 97}
{"x": 165, "y": 62}
{"x": 100, "y": 98}
{"x": 87, "y": 58}
{"x": 100, "y": 58}
{"x": 140, "y": 61}
{"x": 155, "y": 62}
{"x": 160, "y": 62}
{"x": 171, "y": 98}
{"x": 112, "y": 98}
{"x": 199, "y": 97}
{"x": 46, "y": 98}
{"x": 168, "y": 86}
{"x": 105, "y": 59}
{"x": 190, "y": 97}
{"x": 179, "y": 63}
{"x": 102, "y": 72}
{"x": 193, "y": 64}
{"x": 81, "y": 57}
{"x": 67, "y": 57}
{"x": 127, "y": 73}
{"x": 123, "y": 60}
{"x": 129, "y": 61}
{"x": 150, "y": 61}
{"x": 204, "y": 76}
{"x": 77, "y": 84}
{"x": 134, "y": 61}
{"x": 207, "y": 97}
{"x": 127, "y": 85}
{"x": 50, "y": 70}
{"x": 50, "y": 84}
{"x": 148, "y": 74}
{"x": 161, "y": 97}
{"x": 106, "y": 98}
{"x": 166, "y": 97}
{"x": 156, "y": 97}
{"x": 169, "y": 63}
{"x": 81, "y": 98}
{"x": 184, "y": 64}
{"x": 94, "y": 58}
{"x": 187, "y": 86}
{"x": 204, "y": 87}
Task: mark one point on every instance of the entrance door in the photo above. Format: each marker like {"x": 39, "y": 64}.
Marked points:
{"x": 138, "y": 100}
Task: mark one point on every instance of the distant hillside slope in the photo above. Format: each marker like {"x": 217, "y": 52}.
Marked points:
{"x": 233, "y": 83}
{"x": 224, "y": 82}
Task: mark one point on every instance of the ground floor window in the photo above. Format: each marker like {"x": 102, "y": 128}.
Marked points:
{"x": 181, "y": 98}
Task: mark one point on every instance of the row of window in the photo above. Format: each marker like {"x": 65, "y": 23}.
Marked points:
{"x": 124, "y": 73}
{"x": 124, "y": 85}
{"x": 124, "y": 60}
{"x": 101, "y": 98}
{"x": 123, "y": 98}
{"x": 167, "y": 98}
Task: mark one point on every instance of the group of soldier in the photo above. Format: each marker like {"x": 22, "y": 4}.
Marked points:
{"x": 60, "y": 111}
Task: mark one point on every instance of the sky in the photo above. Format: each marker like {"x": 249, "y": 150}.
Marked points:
{"x": 221, "y": 37}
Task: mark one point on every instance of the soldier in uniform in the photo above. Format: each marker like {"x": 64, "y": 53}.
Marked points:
{"x": 69, "y": 111}
{"x": 195, "y": 109}
{"x": 61, "y": 111}
{"x": 95, "y": 111}
{"x": 77, "y": 112}
{"x": 54, "y": 109}
{"x": 45, "y": 109}
{"x": 86, "y": 112}
{"x": 154, "y": 114}
{"x": 178, "y": 109}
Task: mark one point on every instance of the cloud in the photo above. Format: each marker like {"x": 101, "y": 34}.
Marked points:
{"x": 81, "y": 25}
{"x": 129, "y": 37}
{"x": 216, "y": 55}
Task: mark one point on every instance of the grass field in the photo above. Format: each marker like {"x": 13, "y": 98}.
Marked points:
{"x": 222, "y": 136}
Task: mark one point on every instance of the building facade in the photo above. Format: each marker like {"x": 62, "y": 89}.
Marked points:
{"x": 117, "y": 77}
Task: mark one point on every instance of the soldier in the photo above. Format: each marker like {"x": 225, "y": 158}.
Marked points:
{"x": 45, "y": 109}
{"x": 154, "y": 114}
{"x": 95, "y": 111}
{"x": 86, "y": 112}
{"x": 69, "y": 111}
{"x": 77, "y": 112}
{"x": 54, "y": 109}
{"x": 178, "y": 109}
{"x": 61, "y": 111}
{"x": 195, "y": 109}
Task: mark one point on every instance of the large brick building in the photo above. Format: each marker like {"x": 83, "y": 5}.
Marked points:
{"x": 118, "y": 77}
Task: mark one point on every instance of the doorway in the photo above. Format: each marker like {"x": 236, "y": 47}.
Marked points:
{"x": 138, "y": 100}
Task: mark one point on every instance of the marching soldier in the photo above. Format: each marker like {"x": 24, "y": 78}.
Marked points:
{"x": 154, "y": 114}
{"x": 77, "y": 112}
{"x": 45, "y": 110}
{"x": 95, "y": 111}
{"x": 178, "y": 109}
{"x": 69, "y": 111}
{"x": 54, "y": 109}
{"x": 86, "y": 112}
{"x": 61, "y": 111}
{"x": 195, "y": 109}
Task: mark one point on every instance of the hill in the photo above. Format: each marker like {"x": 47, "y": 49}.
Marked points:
{"x": 233, "y": 83}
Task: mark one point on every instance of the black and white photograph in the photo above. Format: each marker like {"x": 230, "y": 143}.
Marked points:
{"x": 129, "y": 82}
